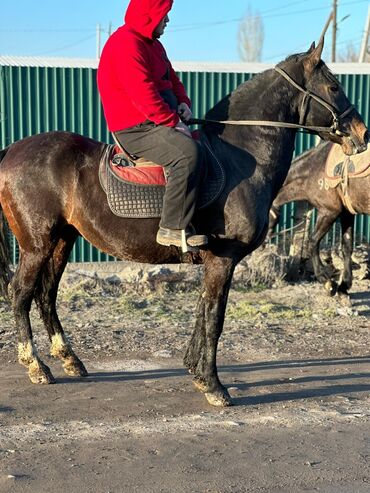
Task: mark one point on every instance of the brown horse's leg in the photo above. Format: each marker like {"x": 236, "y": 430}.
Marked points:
{"x": 201, "y": 355}
{"x": 198, "y": 338}
{"x": 347, "y": 222}
{"x": 323, "y": 224}
{"x": 21, "y": 291}
{"x": 45, "y": 297}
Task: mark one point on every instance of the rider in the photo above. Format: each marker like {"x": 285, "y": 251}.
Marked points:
{"x": 145, "y": 105}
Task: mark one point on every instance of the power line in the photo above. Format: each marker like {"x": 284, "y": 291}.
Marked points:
{"x": 192, "y": 27}
{"x": 302, "y": 47}
{"x": 71, "y": 45}
{"x": 281, "y": 7}
{"x": 202, "y": 24}
{"x": 33, "y": 30}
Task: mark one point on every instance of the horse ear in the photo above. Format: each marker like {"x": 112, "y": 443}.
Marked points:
{"x": 314, "y": 54}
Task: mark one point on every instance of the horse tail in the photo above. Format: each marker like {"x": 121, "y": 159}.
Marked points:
{"x": 5, "y": 259}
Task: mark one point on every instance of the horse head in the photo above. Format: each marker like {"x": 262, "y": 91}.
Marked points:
{"x": 322, "y": 102}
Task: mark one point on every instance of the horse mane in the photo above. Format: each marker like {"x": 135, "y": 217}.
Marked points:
{"x": 320, "y": 66}
{"x": 304, "y": 154}
{"x": 221, "y": 110}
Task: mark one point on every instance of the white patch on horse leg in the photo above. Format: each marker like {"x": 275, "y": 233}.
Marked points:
{"x": 37, "y": 371}
{"x": 26, "y": 353}
{"x": 61, "y": 349}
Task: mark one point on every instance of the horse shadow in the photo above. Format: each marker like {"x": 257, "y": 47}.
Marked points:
{"x": 361, "y": 298}
{"x": 336, "y": 384}
{"x": 6, "y": 409}
{"x": 275, "y": 397}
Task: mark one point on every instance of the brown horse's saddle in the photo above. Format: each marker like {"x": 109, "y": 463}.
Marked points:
{"x": 135, "y": 187}
{"x": 340, "y": 167}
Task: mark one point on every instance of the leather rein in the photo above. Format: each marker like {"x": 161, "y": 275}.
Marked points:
{"x": 333, "y": 129}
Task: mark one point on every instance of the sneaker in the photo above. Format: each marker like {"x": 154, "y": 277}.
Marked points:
{"x": 168, "y": 237}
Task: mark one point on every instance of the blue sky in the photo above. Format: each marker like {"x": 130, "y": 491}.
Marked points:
{"x": 199, "y": 30}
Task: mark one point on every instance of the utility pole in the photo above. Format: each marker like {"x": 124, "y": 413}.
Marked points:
{"x": 365, "y": 39}
{"x": 98, "y": 36}
{"x": 330, "y": 18}
{"x": 334, "y": 39}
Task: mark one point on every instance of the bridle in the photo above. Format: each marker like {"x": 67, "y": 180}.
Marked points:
{"x": 334, "y": 129}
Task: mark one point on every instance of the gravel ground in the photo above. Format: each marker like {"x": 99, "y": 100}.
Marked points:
{"x": 295, "y": 360}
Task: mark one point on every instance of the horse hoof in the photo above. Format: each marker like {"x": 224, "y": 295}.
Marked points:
{"x": 199, "y": 385}
{"x": 40, "y": 374}
{"x": 344, "y": 299}
{"x": 75, "y": 368}
{"x": 219, "y": 399}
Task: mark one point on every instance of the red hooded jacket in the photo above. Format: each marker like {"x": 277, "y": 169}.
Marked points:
{"x": 134, "y": 69}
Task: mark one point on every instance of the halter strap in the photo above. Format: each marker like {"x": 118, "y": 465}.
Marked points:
{"x": 309, "y": 94}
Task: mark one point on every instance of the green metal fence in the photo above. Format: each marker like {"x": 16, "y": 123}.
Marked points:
{"x": 36, "y": 99}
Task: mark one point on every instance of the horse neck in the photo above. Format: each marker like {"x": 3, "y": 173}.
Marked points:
{"x": 265, "y": 97}
{"x": 302, "y": 172}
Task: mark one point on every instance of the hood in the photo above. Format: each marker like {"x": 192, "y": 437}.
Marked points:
{"x": 143, "y": 16}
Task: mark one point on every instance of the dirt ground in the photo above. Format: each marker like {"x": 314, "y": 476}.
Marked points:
{"x": 296, "y": 363}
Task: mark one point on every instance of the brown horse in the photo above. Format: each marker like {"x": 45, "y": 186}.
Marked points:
{"x": 305, "y": 182}
{"x": 50, "y": 193}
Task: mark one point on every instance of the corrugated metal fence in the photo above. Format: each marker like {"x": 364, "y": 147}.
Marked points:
{"x": 40, "y": 99}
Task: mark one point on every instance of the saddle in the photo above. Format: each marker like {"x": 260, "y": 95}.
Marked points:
{"x": 338, "y": 166}
{"x": 135, "y": 187}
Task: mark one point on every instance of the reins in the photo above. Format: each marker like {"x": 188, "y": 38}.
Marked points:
{"x": 333, "y": 129}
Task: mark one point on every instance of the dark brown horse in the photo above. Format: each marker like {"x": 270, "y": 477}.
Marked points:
{"x": 50, "y": 193}
{"x": 305, "y": 182}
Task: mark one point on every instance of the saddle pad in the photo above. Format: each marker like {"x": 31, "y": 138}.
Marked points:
{"x": 145, "y": 200}
{"x": 358, "y": 165}
{"x": 127, "y": 199}
{"x": 144, "y": 175}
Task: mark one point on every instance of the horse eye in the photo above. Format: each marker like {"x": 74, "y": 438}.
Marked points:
{"x": 334, "y": 88}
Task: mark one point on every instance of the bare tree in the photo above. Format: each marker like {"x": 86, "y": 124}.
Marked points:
{"x": 349, "y": 54}
{"x": 250, "y": 37}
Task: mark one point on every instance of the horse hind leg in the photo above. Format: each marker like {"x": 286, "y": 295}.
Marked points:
{"x": 325, "y": 219}
{"x": 45, "y": 297}
{"x": 347, "y": 222}
{"x": 21, "y": 292}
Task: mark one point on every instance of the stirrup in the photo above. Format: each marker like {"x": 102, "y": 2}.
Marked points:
{"x": 185, "y": 247}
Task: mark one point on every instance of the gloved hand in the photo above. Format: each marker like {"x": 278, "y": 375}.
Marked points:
{"x": 181, "y": 127}
{"x": 184, "y": 112}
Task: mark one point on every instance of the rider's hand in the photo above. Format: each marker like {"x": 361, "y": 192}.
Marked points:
{"x": 181, "y": 127}
{"x": 184, "y": 112}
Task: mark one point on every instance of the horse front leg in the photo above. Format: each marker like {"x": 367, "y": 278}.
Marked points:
{"x": 323, "y": 224}
{"x": 197, "y": 341}
{"x": 201, "y": 354}
{"x": 347, "y": 222}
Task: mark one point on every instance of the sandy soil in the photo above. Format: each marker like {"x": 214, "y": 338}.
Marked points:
{"x": 295, "y": 361}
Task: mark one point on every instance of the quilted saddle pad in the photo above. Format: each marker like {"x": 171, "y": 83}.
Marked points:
{"x": 137, "y": 191}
